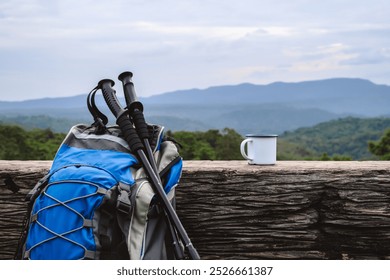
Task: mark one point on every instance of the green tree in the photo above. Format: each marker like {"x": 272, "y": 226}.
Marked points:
{"x": 209, "y": 145}
{"x": 44, "y": 143}
{"x": 381, "y": 148}
{"x": 228, "y": 145}
{"x": 13, "y": 142}
{"x": 19, "y": 144}
{"x": 204, "y": 151}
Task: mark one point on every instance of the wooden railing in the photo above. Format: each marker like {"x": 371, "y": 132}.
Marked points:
{"x": 231, "y": 210}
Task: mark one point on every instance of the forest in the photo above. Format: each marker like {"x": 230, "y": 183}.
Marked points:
{"x": 21, "y": 144}
{"x": 343, "y": 139}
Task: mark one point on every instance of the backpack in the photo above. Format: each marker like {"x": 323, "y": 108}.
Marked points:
{"x": 96, "y": 201}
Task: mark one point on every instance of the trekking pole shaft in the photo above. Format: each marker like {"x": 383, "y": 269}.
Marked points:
{"x": 157, "y": 187}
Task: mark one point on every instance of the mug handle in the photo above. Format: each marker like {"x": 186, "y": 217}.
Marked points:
{"x": 242, "y": 148}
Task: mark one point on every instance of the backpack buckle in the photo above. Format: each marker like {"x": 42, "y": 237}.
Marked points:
{"x": 123, "y": 203}
{"x": 32, "y": 194}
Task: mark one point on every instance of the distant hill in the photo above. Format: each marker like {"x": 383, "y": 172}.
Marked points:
{"x": 347, "y": 136}
{"x": 59, "y": 125}
{"x": 338, "y": 95}
{"x": 247, "y": 108}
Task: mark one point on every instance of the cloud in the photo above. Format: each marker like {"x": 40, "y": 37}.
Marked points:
{"x": 173, "y": 44}
{"x": 369, "y": 56}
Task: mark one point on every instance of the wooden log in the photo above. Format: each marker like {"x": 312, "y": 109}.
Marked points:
{"x": 17, "y": 178}
{"x": 231, "y": 210}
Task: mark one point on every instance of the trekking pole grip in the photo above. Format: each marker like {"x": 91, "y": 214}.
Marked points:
{"x": 134, "y": 107}
{"x": 130, "y": 95}
{"x": 129, "y": 133}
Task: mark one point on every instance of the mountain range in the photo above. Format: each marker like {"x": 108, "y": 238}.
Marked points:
{"x": 247, "y": 108}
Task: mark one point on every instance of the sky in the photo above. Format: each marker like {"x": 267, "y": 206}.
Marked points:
{"x": 55, "y": 48}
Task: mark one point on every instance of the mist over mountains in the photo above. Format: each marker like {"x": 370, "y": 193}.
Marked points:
{"x": 247, "y": 108}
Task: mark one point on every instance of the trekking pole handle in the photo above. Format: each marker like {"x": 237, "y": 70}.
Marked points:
{"x": 109, "y": 95}
{"x": 130, "y": 95}
{"x": 134, "y": 107}
{"x": 124, "y": 123}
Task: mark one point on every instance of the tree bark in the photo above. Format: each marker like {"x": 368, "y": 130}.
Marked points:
{"x": 232, "y": 210}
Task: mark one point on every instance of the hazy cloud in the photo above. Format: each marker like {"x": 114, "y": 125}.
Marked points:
{"x": 64, "y": 47}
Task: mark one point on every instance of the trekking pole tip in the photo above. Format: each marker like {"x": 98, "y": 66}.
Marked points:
{"x": 192, "y": 252}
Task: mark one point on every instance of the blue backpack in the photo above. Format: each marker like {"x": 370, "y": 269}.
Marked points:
{"x": 96, "y": 201}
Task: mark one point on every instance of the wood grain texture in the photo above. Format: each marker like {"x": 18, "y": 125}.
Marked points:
{"x": 232, "y": 210}
{"x": 17, "y": 178}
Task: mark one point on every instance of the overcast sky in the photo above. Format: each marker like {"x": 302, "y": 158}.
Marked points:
{"x": 52, "y": 48}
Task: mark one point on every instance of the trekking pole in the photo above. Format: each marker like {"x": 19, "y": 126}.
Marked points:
{"x": 135, "y": 144}
{"x": 135, "y": 110}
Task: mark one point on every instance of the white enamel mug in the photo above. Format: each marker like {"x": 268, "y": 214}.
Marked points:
{"x": 261, "y": 149}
